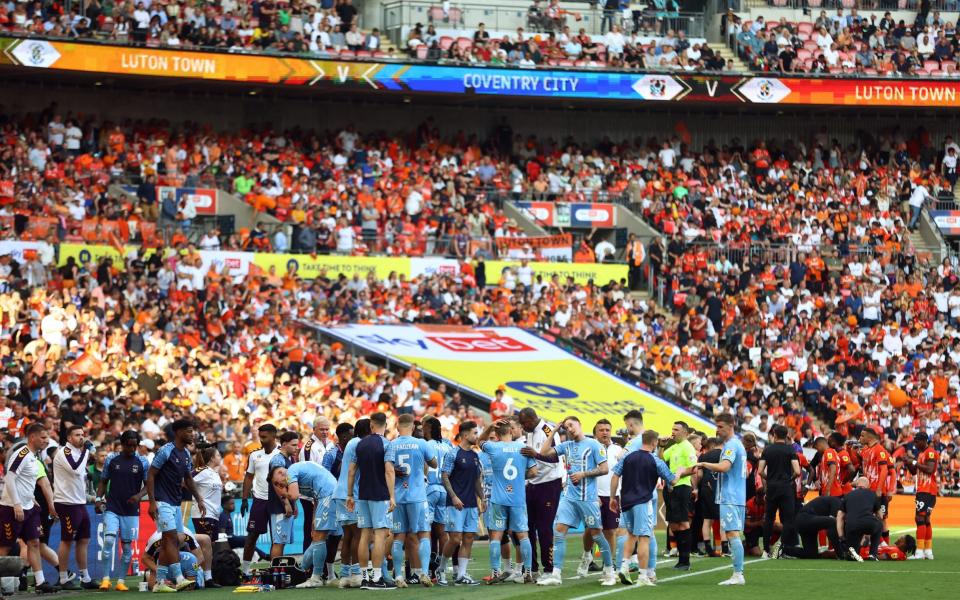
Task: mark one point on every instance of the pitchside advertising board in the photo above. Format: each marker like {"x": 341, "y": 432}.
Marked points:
{"x": 535, "y": 372}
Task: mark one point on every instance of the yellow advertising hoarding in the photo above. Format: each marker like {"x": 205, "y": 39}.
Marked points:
{"x": 534, "y": 372}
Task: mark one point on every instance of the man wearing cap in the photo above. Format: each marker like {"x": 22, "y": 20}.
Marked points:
{"x": 126, "y": 472}
{"x": 255, "y": 480}
{"x": 145, "y": 449}
{"x": 875, "y": 461}
{"x": 70, "y": 500}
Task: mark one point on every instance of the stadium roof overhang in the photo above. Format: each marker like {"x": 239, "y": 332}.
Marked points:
{"x": 81, "y": 62}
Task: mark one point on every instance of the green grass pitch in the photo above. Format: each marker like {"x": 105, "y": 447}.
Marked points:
{"x": 793, "y": 578}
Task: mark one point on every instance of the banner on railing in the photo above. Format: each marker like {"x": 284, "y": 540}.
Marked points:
{"x": 307, "y": 266}
{"x": 581, "y": 215}
{"x": 204, "y": 199}
{"x": 19, "y": 251}
{"x": 948, "y": 221}
{"x": 550, "y": 247}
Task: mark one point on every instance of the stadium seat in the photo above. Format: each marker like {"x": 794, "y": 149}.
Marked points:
{"x": 422, "y": 51}
{"x": 805, "y": 28}
{"x": 348, "y": 54}
{"x": 931, "y": 65}
{"x": 456, "y": 15}
{"x": 464, "y": 43}
{"x": 435, "y": 14}
{"x": 364, "y": 54}
{"x": 445, "y": 42}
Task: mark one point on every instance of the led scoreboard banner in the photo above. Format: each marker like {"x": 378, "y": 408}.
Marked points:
{"x": 404, "y": 77}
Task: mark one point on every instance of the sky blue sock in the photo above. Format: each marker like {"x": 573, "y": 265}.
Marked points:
{"x": 355, "y": 569}
{"x": 387, "y": 577}
{"x": 175, "y": 572}
{"x": 397, "y": 557}
{"x": 106, "y": 555}
{"x": 526, "y": 553}
{"x": 319, "y": 557}
{"x": 163, "y": 573}
{"x": 495, "y": 555}
{"x": 601, "y": 541}
{"x": 125, "y": 558}
{"x": 621, "y": 542}
{"x": 559, "y": 549}
{"x": 652, "y": 559}
{"x": 736, "y": 551}
{"x": 423, "y": 550}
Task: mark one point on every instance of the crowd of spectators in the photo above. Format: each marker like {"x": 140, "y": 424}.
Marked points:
{"x": 632, "y": 37}
{"x": 565, "y": 47}
{"x": 847, "y": 42}
{"x": 332, "y": 27}
{"x": 266, "y": 26}
{"x": 792, "y": 292}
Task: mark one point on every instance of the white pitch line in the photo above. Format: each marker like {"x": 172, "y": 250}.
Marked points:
{"x": 871, "y": 571}
{"x": 627, "y": 588}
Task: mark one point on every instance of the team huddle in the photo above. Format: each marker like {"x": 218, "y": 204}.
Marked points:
{"x": 407, "y": 510}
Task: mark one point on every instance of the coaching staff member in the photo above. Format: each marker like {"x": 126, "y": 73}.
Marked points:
{"x": 859, "y": 515}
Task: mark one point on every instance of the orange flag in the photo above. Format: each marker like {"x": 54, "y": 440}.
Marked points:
{"x": 87, "y": 365}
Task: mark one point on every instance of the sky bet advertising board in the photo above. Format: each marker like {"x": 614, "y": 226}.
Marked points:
{"x": 535, "y": 373}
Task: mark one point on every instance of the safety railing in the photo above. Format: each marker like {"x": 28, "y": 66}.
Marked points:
{"x": 400, "y": 14}
{"x": 289, "y": 238}
{"x": 865, "y": 5}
